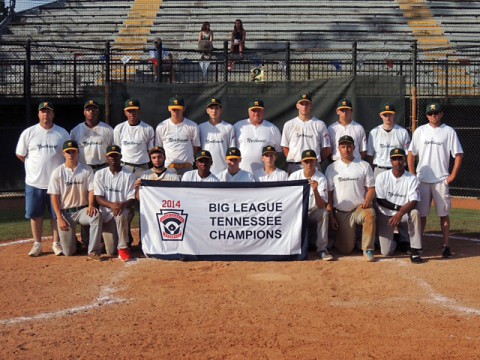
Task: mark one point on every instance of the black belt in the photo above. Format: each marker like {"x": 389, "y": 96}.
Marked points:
{"x": 384, "y": 167}
{"x": 345, "y": 212}
{"x": 94, "y": 167}
{"x": 134, "y": 165}
{"x": 294, "y": 163}
{"x": 74, "y": 209}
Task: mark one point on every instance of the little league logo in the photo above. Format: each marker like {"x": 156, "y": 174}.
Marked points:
{"x": 172, "y": 224}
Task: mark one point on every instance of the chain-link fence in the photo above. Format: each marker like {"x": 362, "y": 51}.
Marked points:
{"x": 30, "y": 72}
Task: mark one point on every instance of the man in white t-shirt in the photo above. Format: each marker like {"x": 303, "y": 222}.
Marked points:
{"x": 385, "y": 137}
{"x": 233, "y": 173}
{"x": 351, "y": 191}
{"x": 92, "y": 136}
{"x": 304, "y": 132}
{"x": 317, "y": 201}
{"x": 40, "y": 149}
{"x": 179, "y": 137}
{"x": 216, "y": 135}
{"x": 270, "y": 172}
{"x": 203, "y": 161}
{"x": 397, "y": 196}
{"x": 71, "y": 190}
{"x": 252, "y": 134}
{"x": 434, "y": 144}
{"x": 135, "y": 137}
{"x": 347, "y": 126}
{"x": 114, "y": 189}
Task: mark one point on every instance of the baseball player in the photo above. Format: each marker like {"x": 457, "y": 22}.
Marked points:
{"x": 179, "y": 137}
{"x": 203, "y": 161}
{"x": 114, "y": 189}
{"x": 317, "y": 201}
{"x": 135, "y": 137}
{"x": 304, "y": 132}
{"x": 40, "y": 149}
{"x": 351, "y": 191}
{"x": 216, "y": 135}
{"x": 71, "y": 190}
{"x": 397, "y": 196}
{"x": 270, "y": 172}
{"x": 347, "y": 126}
{"x": 158, "y": 172}
{"x": 385, "y": 137}
{"x": 252, "y": 134}
{"x": 233, "y": 173}
{"x": 434, "y": 143}
{"x": 92, "y": 136}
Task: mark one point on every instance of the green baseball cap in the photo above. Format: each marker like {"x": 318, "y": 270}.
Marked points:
{"x": 91, "y": 102}
{"x": 233, "y": 153}
{"x": 309, "y": 155}
{"x": 203, "y": 154}
{"x": 344, "y": 104}
{"x": 268, "y": 149}
{"x": 397, "y": 152}
{"x": 114, "y": 149}
{"x": 304, "y": 97}
{"x": 46, "y": 105}
{"x": 70, "y": 145}
{"x": 214, "y": 101}
{"x": 256, "y": 104}
{"x": 387, "y": 109}
{"x": 433, "y": 107}
{"x": 132, "y": 104}
{"x": 176, "y": 103}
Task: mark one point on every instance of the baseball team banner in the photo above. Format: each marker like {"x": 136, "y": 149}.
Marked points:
{"x": 224, "y": 221}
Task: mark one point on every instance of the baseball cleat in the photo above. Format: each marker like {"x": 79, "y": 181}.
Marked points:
{"x": 36, "y": 250}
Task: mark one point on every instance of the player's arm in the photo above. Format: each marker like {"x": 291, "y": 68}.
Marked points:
{"x": 21, "y": 158}
{"x": 325, "y": 153}
{"x": 370, "y": 160}
{"x": 363, "y": 155}
{"x": 92, "y": 209}
{"x": 331, "y": 210}
{"x": 286, "y": 150}
{"x": 62, "y": 223}
{"x": 369, "y": 197}
{"x": 456, "y": 168}
{"x": 406, "y": 208}
{"x": 318, "y": 198}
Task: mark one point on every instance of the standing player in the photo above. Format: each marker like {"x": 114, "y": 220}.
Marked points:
{"x": 40, "y": 149}
{"x": 270, "y": 172}
{"x": 135, "y": 137}
{"x": 114, "y": 189}
{"x": 71, "y": 189}
{"x": 216, "y": 135}
{"x": 435, "y": 143}
{"x": 203, "y": 161}
{"x": 92, "y": 136}
{"x": 317, "y": 201}
{"x": 385, "y": 137}
{"x": 397, "y": 197}
{"x": 351, "y": 191}
{"x": 179, "y": 137}
{"x": 233, "y": 173}
{"x": 347, "y": 126}
{"x": 304, "y": 132}
{"x": 252, "y": 134}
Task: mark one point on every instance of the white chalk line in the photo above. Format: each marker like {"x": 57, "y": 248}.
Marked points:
{"x": 105, "y": 298}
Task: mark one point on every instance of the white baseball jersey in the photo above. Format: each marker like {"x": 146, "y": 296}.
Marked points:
{"x": 355, "y": 130}
{"x": 380, "y": 142}
{"x": 192, "y": 175}
{"x": 301, "y": 135}
{"x": 92, "y": 142}
{"x": 119, "y": 187}
{"x": 178, "y": 140}
{"x": 72, "y": 185}
{"x": 240, "y": 176}
{"x": 322, "y": 186}
{"x": 135, "y": 141}
{"x": 167, "y": 175}
{"x": 396, "y": 190}
{"x": 251, "y": 139}
{"x": 217, "y": 139}
{"x": 349, "y": 183}
{"x": 43, "y": 151}
{"x": 434, "y": 146}
{"x": 277, "y": 175}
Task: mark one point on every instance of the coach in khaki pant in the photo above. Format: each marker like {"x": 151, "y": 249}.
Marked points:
{"x": 351, "y": 191}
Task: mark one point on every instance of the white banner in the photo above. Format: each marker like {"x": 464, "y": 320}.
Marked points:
{"x": 226, "y": 221}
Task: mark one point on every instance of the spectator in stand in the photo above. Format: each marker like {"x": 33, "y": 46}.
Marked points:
{"x": 237, "y": 42}
{"x": 40, "y": 149}
{"x": 205, "y": 40}
{"x": 167, "y": 60}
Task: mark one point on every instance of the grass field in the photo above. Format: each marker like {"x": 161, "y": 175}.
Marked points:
{"x": 13, "y": 224}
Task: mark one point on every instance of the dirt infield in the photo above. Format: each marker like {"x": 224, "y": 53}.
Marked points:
{"x": 73, "y": 308}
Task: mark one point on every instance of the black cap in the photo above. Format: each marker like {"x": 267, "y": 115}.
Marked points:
{"x": 344, "y": 104}
{"x": 214, "y": 101}
{"x": 203, "y": 154}
{"x": 91, "y": 102}
{"x": 70, "y": 145}
{"x": 397, "y": 152}
{"x": 269, "y": 149}
{"x": 156, "y": 149}
{"x": 387, "y": 109}
{"x": 233, "y": 153}
{"x": 256, "y": 104}
{"x": 114, "y": 149}
{"x": 346, "y": 139}
{"x": 309, "y": 155}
